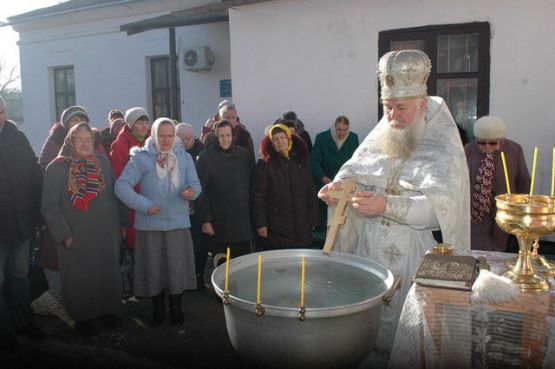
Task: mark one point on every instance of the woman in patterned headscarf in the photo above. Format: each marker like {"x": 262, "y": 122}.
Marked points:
{"x": 81, "y": 211}
{"x": 164, "y": 256}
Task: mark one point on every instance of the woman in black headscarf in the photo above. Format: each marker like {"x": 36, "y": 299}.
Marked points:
{"x": 224, "y": 171}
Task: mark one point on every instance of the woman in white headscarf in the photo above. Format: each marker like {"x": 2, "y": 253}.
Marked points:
{"x": 164, "y": 257}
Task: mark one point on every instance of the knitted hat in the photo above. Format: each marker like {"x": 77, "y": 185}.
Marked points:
{"x": 132, "y": 115}
{"x": 225, "y": 103}
{"x": 115, "y": 114}
{"x": 490, "y": 127}
{"x": 73, "y": 111}
{"x": 184, "y": 129}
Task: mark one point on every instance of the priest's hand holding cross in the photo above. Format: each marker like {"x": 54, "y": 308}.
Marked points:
{"x": 339, "y": 193}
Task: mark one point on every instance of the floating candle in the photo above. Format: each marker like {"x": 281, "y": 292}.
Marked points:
{"x": 259, "y": 279}
{"x": 226, "y": 287}
{"x": 302, "y": 280}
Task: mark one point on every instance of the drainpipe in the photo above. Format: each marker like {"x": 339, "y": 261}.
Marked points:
{"x": 174, "y": 99}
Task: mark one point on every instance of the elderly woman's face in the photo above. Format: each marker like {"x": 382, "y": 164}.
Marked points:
{"x": 225, "y": 137}
{"x": 230, "y": 115}
{"x": 83, "y": 143}
{"x": 280, "y": 142}
{"x": 166, "y": 136}
{"x": 341, "y": 130}
{"x": 188, "y": 141}
{"x": 488, "y": 146}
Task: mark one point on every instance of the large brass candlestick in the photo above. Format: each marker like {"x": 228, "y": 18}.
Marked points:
{"x": 527, "y": 218}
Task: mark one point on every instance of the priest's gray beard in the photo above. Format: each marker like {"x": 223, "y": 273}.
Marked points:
{"x": 399, "y": 143}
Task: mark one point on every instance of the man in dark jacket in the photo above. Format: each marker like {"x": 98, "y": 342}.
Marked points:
{"x": 20, "y": 189}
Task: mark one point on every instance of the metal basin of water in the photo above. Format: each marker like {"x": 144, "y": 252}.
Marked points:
{"x": 343, "y": 301}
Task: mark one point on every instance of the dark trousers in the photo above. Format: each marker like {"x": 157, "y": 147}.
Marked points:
{"x": 14, "y": 284}
{"x": 200, "y": 245}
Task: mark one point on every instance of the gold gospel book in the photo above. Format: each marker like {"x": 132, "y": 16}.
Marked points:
{"x": 448, "y": 271}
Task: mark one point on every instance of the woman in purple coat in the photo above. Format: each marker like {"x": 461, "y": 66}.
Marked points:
{"x": 487, "y": 179}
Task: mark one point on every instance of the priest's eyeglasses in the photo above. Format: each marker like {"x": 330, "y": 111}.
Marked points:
{"x": 488, "y": 143}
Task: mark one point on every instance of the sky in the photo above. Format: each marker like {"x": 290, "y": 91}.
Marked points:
{"x": 9, "y": 51}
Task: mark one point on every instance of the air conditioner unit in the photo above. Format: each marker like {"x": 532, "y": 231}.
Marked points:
{"x": 198, "y": 58}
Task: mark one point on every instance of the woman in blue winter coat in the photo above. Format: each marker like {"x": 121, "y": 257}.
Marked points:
{"x": 164, "y": 256}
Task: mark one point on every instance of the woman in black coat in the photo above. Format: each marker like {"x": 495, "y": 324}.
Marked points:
{"x": 224, "y": 170}
{"x": 283, "y": 202}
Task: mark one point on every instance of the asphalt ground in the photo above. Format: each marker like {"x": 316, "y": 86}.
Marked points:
{"x": 202, "y": 342}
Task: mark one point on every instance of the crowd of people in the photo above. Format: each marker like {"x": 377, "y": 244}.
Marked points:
{"x": 164, "y": 198}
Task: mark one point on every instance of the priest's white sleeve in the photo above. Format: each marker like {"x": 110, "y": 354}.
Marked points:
{"x": 415, "y": 211}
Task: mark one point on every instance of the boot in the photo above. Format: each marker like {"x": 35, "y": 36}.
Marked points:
{"x": 158, "y": 309}
{"x": 176, "y": 314}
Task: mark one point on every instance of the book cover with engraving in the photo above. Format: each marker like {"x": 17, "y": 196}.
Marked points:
{"x": 448, "y": 271}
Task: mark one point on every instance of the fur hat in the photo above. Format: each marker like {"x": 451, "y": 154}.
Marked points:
{"x": 490, "y": 127}
{"x": 132, "y": 115}
{"x": 73, "y": 111}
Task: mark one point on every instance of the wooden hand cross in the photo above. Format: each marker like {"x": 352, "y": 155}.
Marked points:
{"x": 344, "y": 196}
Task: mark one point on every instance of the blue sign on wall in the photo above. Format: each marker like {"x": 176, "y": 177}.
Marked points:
{"x": 225, "y": 88}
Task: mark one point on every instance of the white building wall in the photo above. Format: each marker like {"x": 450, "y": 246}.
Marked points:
{"x": 112, "y": 69}
{"x": 318, "y": 57}
{"x": 200, "y": 91}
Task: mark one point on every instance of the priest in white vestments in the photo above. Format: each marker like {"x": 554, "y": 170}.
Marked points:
{"x": 412, "y": 179}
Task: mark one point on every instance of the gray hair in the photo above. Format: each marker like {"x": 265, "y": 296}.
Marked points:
{"x": 2, "y": 102}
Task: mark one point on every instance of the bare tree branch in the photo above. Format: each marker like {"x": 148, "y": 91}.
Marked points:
{"x": 7, "y": 79}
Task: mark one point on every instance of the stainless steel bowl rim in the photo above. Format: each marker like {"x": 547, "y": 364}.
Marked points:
{"x": 280, "y": 311}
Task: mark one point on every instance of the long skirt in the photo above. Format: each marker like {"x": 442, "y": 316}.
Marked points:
{"x": 164, "y": 259}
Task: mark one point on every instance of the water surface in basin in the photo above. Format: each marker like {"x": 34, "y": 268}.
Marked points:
{"x": 327, "y": 283}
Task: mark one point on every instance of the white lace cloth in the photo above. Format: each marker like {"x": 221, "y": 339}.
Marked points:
{"x": 441, "y": 328}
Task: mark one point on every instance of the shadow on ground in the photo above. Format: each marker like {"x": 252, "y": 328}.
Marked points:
{"x": 202, "y": 342}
